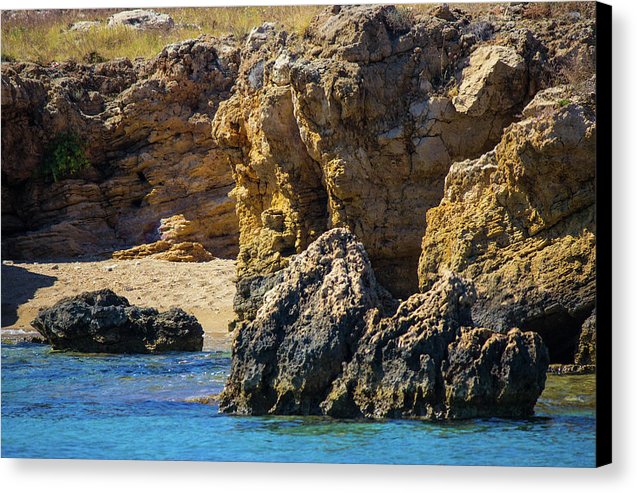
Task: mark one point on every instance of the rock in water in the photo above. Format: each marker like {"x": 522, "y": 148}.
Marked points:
{"x": 396, "y": 370}
{"x": 492, "y": 374}
{"x": 587, "y": 345}
{"x": 285, "y": 361}
{"x": 103, "y": 322}
{"x": 329, "y": 340}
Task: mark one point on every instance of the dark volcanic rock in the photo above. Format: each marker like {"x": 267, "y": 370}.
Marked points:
{"x": 396, "y": 371}
{"x": 102, "y": 322}
{"x": 492, "y": 374}
{"x": 327, "y": 341}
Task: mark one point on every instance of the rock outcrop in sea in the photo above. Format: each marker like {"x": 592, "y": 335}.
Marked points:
{"x": 328, "y": 339}
{"x": 103, "y": 322}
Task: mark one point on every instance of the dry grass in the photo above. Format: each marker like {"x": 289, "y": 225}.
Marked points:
{"x": 552, "y": 10}
{"x": 43, "y": 36}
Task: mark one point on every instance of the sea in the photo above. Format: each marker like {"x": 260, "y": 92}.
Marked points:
{"x": 156, "y": 407}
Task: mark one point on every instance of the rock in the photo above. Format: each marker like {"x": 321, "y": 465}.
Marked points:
{"x": 164, "y": 250}
{"x": 395, "y": 371}
{"x": 329, "y": 340}
{"x": 84, "y": 26}
{"x": 444, "y": 12}
{"x": 259, "y": 35}
{"x": 587, "y": 345}
{"x": 285, "y": 360}
{"x": 492, "y": 374}
{"x": 519, "y": 222}
{"x": 496, "y": 79}
{"x": 102, "y": 322}
{"x": 142, "y": 20}
{"x": 155, "y": 171}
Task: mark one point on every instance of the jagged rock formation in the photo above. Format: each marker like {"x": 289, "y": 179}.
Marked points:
{"x": 325, "y": 342}
{"x": 519, "y": 222}
{"x": 155, "y": 171}
{"x": 357, "y": 125}
{"x": 102, "y": 322}
{"x": 285, "y": 361}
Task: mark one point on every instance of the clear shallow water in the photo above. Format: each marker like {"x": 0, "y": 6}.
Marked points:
{"x": 60, "y": 405}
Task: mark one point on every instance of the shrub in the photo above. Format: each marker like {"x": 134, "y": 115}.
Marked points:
{"x": 64, "y": 157}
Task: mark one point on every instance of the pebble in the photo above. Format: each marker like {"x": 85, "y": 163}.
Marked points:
{"x": 55, "y": 267}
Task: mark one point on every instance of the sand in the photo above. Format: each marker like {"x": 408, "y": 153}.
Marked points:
{"x": 204, "y": 290}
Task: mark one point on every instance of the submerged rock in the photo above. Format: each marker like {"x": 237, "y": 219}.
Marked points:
{"x": 329, "y": 340}
{"x": 103, "y": 322}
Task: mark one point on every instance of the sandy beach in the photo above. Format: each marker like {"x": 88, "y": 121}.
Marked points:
{"x": 204, "y": 290}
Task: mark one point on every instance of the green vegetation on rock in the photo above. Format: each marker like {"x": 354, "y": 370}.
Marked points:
{"x": 65, "y": 157}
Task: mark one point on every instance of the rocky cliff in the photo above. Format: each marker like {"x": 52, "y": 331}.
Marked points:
{"x": 520, "y": 223}
{"x": 357, "y": 125}
{"x": 155, "y": 172}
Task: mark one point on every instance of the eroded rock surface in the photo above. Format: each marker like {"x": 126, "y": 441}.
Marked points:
{"x": 519, "y": 222}
{"x": 357, "y": 126}
{"x": 102, "y": 322}
{"x": 155, "y": 171}
{"x": 587, "y": 344}
{"x": 285, "y": 360}
{"x": 326, "y": 340}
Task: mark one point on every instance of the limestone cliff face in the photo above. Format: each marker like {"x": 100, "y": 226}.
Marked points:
{"x": 155, "y": 174}
{"x": 520, "y": 223}
{"x": 354, "y": 126}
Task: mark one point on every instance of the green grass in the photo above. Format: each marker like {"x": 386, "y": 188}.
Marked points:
{"x": 44, "y": 36}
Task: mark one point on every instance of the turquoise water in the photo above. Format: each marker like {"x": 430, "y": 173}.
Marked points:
{"x": 59, "y": 405}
